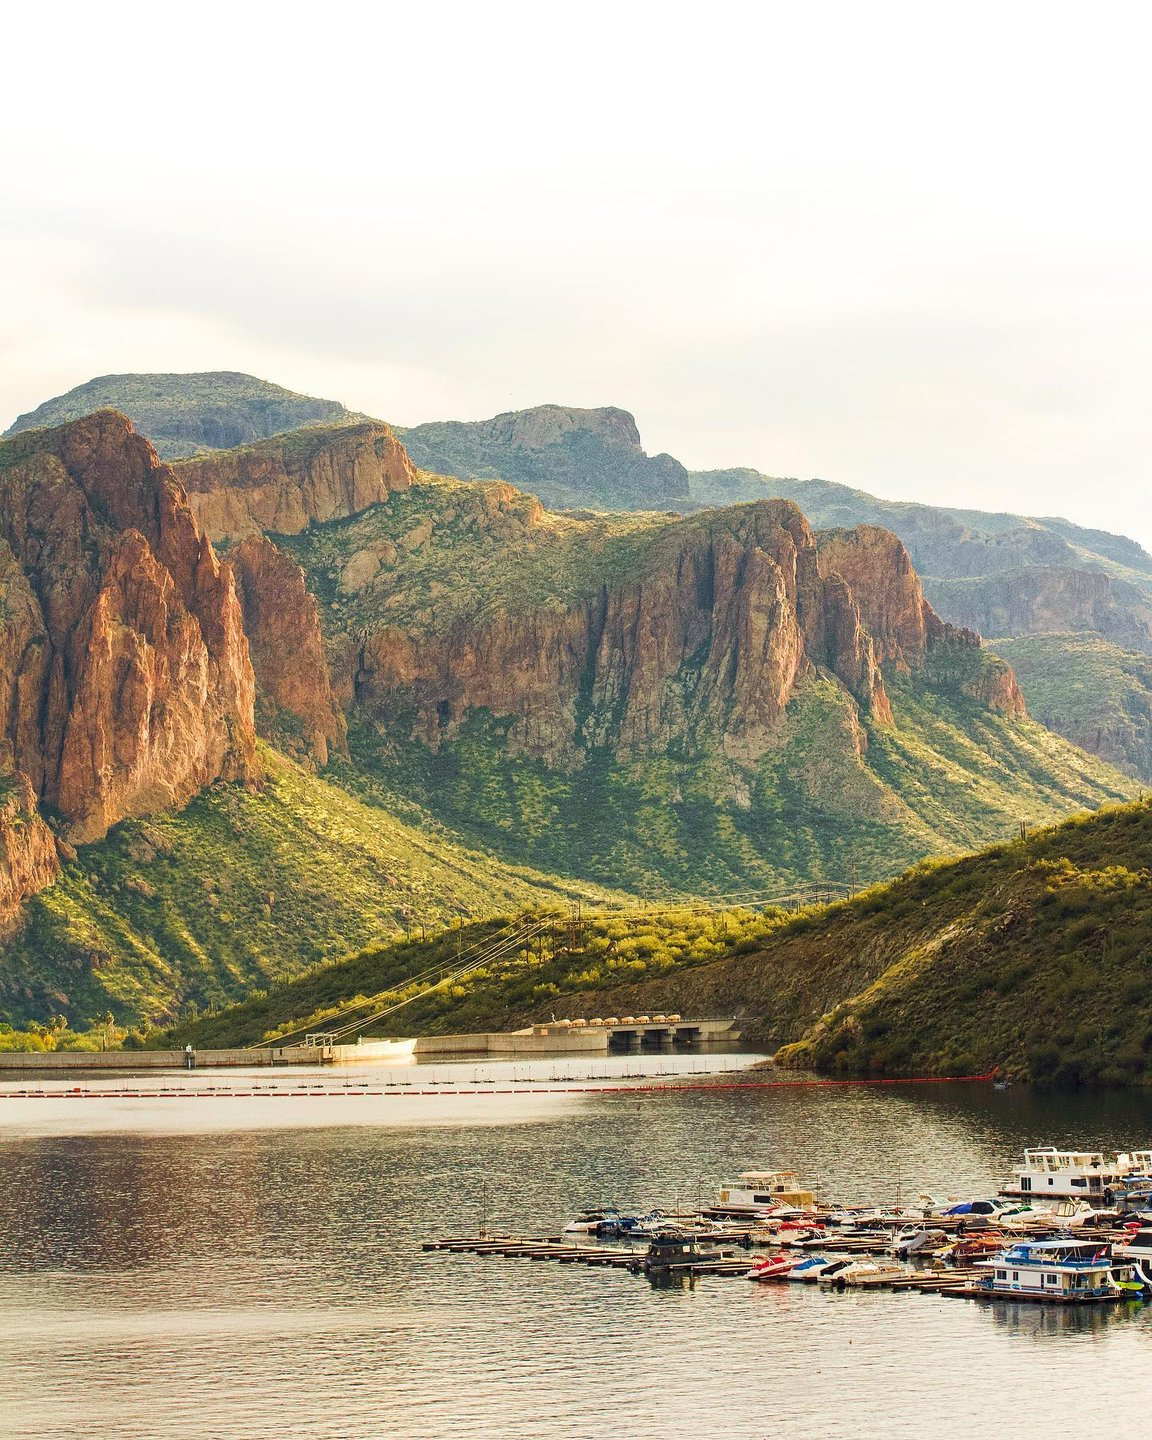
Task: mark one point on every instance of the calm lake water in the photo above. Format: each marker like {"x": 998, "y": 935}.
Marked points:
{"x": 233, "y": 1267}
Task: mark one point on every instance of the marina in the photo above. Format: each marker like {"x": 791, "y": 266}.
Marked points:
{"x": 274, "y": 1248}
{"x": 1071, "y": 1254}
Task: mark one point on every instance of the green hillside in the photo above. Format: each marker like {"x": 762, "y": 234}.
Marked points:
{"x": 1089, "y": 690}
{"x": 241, "y": 889}
{"x": 1031, "y": 956}
{"x": 184, "y": 414}
{"x": 571, "y": 459}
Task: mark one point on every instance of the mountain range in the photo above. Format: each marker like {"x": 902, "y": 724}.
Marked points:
{"x": 508, "y": 702}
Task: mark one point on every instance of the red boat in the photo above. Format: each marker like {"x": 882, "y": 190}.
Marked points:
{"x": 774, "y": 1267}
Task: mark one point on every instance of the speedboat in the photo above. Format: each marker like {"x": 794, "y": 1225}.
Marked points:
{"x": 773, "y": 1267}
{"x": 916, "y": 1241}
{"x": 866, "y": 1273}
{"x": 812, "y": 1267}
{"x": 588, "y": 1222}
{"x": 1136, "y": 1245}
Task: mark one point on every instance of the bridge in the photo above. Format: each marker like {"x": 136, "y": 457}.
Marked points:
{"x": 637, "y": 1032}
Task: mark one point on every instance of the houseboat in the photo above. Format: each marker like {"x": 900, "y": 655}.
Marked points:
{"x": 756, "y": 1191}
{"x": 1065, "y": 1175}
{"x": 1063, "y": 1271}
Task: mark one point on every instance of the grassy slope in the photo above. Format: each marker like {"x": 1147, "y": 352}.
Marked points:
{"x": 1031, "y": 956}
{"x": 238, "y": 890}
{"x": 813, "y": 811}
{"x": 1090, "y": 690}
{"x": 448, "y": 549}
{"x": 608, "y": 947}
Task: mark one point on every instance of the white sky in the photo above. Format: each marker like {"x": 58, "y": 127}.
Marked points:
{"x": 898, "y": 245}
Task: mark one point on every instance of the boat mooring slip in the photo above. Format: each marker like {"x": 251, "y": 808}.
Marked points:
{"x": 958, "y": 1282}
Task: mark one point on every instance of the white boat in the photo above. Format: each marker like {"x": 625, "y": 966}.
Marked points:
{"x": 1064, "y": 1175}
{"x": 1043, "y": 1219}
{"x": 815, "y": 1267}
{"x": 588, "y": 1221}
{"x": 762, "y": 1190}
{"x": 916, "y": 1240}
{"x": 1064, "y": 1271}
{"x": 867, "y": 1273}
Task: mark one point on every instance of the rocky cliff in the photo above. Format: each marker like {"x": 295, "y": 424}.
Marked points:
{"x": 1051, "y": 600}
{"x": 570, "y": 458}
{"x": 281, "y": 485}
{"x": 184, "y": 414}
{"x": 294, "y": 695}
{"x": 726, "y": 622}
{"x": 124, "y": 671}
{"x": 27, "y": 849}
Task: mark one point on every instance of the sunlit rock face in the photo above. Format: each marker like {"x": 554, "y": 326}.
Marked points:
{"x": 126, "y": 674}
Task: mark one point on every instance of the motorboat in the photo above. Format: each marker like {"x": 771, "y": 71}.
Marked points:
{"x": 978, "y": 1245}
{"x": 917, "y": 1241}
{"x": 773, "y": 1267}
{"x": 624, "y": 1227}
{"x": 1137, "y": 1245}
{"x": 867, "y": 1273}
{"x": 814, "y": 1267}
{"x": 588, "y": 1222}
{"x": 1066, "y": 1271}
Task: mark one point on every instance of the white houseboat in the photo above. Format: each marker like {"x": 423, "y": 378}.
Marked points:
{"x": 759, "y": 1190}
{"x": 1064, "y": 1271}
{"x": 1064, "y": 1175}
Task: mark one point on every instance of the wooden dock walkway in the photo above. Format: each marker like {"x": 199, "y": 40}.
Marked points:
{"x": 955, "y": 1282}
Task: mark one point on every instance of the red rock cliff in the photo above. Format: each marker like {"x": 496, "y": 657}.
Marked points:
{"x": 287, "y": 650}
{"x": 27, "y": 850}
{"x": 714, "y": 638}
{"x": 908, "y": 634}
{"x": 279, "y": 485}
{"x": 125, "y": 674}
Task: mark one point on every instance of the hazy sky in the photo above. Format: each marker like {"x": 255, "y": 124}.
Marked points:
{"x": 903, "y": 246}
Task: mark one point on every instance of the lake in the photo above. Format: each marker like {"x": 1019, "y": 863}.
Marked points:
{"x": 249, "y": 1265}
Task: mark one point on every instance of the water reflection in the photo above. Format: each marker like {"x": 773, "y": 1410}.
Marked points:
{"x": 236, "y": 1283}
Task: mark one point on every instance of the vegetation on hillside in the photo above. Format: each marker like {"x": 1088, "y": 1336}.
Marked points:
{"x": 183, "y": 414}
{"x": 1089, "y": 690}
{"x": 584, "y": 467}
{"x": 446, "y": 549}
{"x": 192, "y": 910}
{"x": 598, "y": 951}
{"x": 1032, "y": 957}
{"x": 692, "y": 823}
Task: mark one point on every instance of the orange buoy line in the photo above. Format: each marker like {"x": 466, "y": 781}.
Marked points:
{"x": 481, "y": 1088}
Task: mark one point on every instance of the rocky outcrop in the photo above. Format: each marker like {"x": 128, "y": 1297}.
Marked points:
{"x": 570, "y": 458}
{"x": 709, "y": 645}
{"x": 908, "y": 636}
{"x": 28, "y": 860}
{"x": 280, "y": 486}
{"x": 1044, "y": 601}
{"x": 287, "y": 650}
{"x": 125, "y": 674}
{"x": 877, "y": 569}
